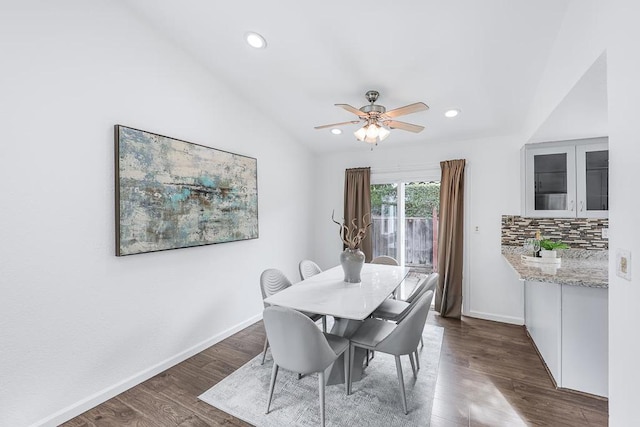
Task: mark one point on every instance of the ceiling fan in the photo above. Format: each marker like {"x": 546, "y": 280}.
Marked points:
{"x": 377, "y": 119}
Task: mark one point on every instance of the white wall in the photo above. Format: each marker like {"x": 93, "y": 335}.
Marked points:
{"x": 590, "y": 27}
{"x": 624, "y": 177}
{"x": 77, "y": 324}
{"x": 492, "y": 188}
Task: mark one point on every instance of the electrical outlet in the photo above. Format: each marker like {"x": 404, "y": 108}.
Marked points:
{"x": 623, "y": 263}
{"x": 476, "y": 229}
{"x": 605, "y": 233}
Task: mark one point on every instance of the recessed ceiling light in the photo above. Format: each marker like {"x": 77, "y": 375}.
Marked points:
{"x": 451, "y": 113}
{"x": 336, "y": 131}
{"x": 255, "y": 40}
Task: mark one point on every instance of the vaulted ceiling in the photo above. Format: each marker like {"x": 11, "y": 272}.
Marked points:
{"x": 482, "y": 57}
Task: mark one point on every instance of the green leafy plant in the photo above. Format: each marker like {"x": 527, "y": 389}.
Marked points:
{"x": 550, "y": 245}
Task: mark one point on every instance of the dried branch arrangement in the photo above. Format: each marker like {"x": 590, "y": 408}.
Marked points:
{"x": 353, "y": 235}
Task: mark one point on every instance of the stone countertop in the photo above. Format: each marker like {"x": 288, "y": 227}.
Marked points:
{"x": 578, "y": 268}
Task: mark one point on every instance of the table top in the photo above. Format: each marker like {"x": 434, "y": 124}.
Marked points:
{"x": 327, "y": 293}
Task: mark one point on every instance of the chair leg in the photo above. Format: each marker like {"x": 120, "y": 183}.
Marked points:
{"x": 321, "y": 392}
{"x": 415, "y": 354}
{"x": 421, "y": 342}
{"x": 366, "y": 358}
{"x": 401, "y": 380}
{"x": 347, "y": 368}
{"x": 352, "y": 351}
{"x": 264, "y": 351}
{"x": 413, "y": 365}
{"x": 274, "y": 374}
{"x": 324, "y": 324}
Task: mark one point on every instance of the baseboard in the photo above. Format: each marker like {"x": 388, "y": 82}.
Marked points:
{"x": 495, "y": 317}
{"x": 106, "y": 394}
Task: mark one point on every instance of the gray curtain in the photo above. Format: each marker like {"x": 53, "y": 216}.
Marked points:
{"x": 357, "y": 203}
{"x": 450, "y": 239}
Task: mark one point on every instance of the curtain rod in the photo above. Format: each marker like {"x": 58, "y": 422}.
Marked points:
{"x": 408, "y": 168}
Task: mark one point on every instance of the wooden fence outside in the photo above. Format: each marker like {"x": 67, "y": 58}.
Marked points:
{"x": 420, "y": 245}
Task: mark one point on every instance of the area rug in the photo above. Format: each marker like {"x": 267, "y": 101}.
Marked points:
{"x": 375, "y": 399}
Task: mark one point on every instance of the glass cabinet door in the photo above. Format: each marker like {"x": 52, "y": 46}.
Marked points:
{"x": 550, "y": 181}
{"x": 593, "y": 180}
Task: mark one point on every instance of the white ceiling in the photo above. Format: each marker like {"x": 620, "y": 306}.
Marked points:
{"x": 483, "y": 57}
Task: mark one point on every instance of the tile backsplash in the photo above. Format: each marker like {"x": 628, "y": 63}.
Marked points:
{"x": 579, "y": 233}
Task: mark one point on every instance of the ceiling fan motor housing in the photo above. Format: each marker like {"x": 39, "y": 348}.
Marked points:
{"x": 372, "y": 96}
{"x": 373, "y": 108}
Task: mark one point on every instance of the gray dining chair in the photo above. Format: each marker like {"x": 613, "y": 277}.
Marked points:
{"x": 273, "y": 281}
{"x": 308, "y": 268}
{"x": 384, "y": 259}
{"x": 397, "y": 339}
{"x": 299, "y": 346}
{"x": 395, "y": 310}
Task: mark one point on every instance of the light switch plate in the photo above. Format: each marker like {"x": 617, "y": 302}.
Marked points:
{"x": 605, "y": 233}
{"x": 623, "y": 263}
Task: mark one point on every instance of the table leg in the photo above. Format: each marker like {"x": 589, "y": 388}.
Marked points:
{"x": 335, "y": 373}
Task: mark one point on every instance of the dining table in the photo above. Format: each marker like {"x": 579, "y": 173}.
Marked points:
{"x": 349, "y": 304}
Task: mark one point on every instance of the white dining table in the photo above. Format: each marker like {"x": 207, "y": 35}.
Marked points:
{"x": 349, "y": 303}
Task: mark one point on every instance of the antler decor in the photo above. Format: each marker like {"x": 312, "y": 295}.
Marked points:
{"x": 353, "y": 235}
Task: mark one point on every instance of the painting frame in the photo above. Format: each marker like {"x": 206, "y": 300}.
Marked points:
{"x": 175, "y": 194}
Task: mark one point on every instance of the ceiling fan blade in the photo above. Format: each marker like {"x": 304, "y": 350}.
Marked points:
{"x": 393, "y": 124}
{"x": 352, "y": 122}
{"x": 351, "y": 109}
{"x": 407, "y": 109}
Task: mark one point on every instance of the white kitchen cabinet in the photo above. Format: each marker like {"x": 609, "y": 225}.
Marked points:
{"x": 569, "y": 326}
{"x": 566, "y": 179}
{"x": 544, "y": 324}
{"x": 585, "y": 339}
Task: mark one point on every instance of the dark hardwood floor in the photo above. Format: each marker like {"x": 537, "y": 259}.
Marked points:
{"x": 490, "y": 375}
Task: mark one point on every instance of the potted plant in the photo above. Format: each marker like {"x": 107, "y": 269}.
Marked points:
{"x": 548, "y": 248}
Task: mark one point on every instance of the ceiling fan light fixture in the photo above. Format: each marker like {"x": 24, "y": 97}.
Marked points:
{"x": 361, "y": 133}
{"x": 336, "y": 131}
{"x": 255, "y": 40}
{"x": 383, "y": 133}
{"x": 451, "y": 113}
{"x": 372, "y": 131}
{"x": 376, "y": 121}
{"x": 371, "y": 140}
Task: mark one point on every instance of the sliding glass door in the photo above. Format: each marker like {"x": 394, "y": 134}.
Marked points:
{"x": 405, "y": 223}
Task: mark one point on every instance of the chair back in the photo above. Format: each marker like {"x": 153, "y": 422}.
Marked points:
{"x": 308, "y": 268}
{"x": 427, "y": 284}
{"x": 405, "y": 337}
{"x": 296, "y": 342}
{"x": 432, "y": 282}
{"x": 418, "y": 289}
{"x": 272, "y": 281}
{"x": 384, "y": 259}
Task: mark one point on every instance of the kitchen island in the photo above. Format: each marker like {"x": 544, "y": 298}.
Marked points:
{"x": 566, "y": 316}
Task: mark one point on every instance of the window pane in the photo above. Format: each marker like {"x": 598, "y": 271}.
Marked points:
{"x": 384, "y": 212}
{"x": 422, "y": 202}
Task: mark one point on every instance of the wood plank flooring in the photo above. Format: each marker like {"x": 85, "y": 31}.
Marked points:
{"x": 490, "y": 375}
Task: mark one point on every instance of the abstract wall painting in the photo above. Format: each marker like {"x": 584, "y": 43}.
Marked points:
{"x": 174, "y": 194}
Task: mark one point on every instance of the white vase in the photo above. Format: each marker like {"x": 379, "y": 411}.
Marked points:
{"x": 352, "y": 261}
{"x": 548, "y": 254}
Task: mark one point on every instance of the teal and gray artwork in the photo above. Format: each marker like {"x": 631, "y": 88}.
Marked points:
{"x": 174, "y": 194}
